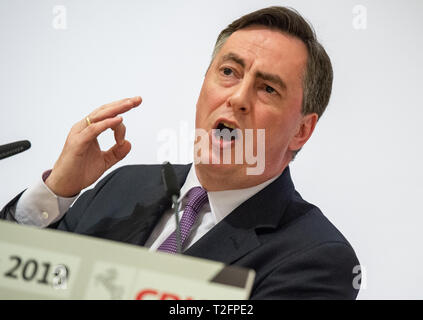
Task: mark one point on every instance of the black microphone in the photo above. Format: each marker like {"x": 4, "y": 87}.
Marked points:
{"x": 172, "y": 191}
{"x": 170, "y": 181}
{"x": 10, "y": 149}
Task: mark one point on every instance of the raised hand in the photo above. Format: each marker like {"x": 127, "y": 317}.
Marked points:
{"x": 81, "y": 161}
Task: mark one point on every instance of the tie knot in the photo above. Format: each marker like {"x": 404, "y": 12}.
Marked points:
{"x": 196, "y": 198}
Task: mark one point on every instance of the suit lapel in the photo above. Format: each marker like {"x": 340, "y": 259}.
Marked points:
{"x": 148, "y": 216}
{"x": 225, "y": 242}
{"x": 237, "y": 234}
{"x": 137, "y": 227}
{"x": 232, "y": 238}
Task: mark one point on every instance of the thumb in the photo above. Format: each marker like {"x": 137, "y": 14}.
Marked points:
{"x": 116, "y": 153}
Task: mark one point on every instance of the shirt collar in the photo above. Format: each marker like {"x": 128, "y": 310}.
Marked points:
{"x": 222, "y": 202}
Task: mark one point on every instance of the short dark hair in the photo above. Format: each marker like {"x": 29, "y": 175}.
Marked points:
{"x": 318, "y": 76}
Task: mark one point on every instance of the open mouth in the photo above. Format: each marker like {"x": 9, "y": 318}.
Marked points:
{"x": 225, "y": 131}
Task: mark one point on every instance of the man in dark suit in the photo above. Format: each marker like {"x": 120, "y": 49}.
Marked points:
{"x": 267, "y": 72}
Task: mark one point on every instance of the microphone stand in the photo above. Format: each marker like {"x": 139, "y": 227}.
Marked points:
{"x": 175, "y": 206}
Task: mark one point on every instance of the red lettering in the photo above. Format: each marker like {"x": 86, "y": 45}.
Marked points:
{"x": 141, "y": 294}
{"x": 169, "y": 296}
{"x": 159, "y": 296}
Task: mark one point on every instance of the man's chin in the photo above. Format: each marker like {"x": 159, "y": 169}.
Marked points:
{"x": 223, "y": 172}
{"x": 221, "y": 167}
{"x": 220, "y": 177}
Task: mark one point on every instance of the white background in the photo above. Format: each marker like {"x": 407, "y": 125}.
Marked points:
{"x": 362, "y": 166}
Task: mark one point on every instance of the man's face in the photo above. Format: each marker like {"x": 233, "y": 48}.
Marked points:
{"x": 254, "y": 82}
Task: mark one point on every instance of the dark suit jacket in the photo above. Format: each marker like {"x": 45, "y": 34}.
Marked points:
{"x": 295, "y": 250}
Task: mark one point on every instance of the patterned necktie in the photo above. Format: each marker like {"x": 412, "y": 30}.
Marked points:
{"x": 196, "y": 198}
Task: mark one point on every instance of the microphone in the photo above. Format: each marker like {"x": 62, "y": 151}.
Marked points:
{"x": 172, "y": 191}
{"x": 170, "y": 181}
{"x": 10, "y": 149}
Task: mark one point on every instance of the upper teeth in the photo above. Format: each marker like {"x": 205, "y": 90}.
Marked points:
{"x": 231, "y": 126}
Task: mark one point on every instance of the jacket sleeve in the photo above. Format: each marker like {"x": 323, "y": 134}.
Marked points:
{"x": 76, "y": 210}
{"x": 72, "y": 217}
{"x": 325, "y": 271}
{"x": 8, "y": 212}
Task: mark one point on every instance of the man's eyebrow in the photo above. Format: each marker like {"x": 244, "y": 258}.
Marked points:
{"x": 272, "y": 78}
{"x": 233, "y": 57}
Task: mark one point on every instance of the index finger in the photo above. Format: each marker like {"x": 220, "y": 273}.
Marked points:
{"x": 111, "y": 110}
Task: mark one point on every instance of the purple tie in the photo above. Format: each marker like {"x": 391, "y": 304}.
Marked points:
{"x": 196, "y": 198}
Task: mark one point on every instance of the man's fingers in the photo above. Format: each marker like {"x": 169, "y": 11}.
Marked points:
{"x": 118, "y": 102}
{"x": 116, "y": 153}
{"x": 113, "y": 109}
{"x": 120, "y": 131}
{"x": 92, "y": 131}
{"x": 110, "y": 110}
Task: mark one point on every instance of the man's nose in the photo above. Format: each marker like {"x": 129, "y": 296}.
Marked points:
{"x": 240, "y": 99}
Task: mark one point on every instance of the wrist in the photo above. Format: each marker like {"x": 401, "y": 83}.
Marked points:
{"x": 51, "y": 183}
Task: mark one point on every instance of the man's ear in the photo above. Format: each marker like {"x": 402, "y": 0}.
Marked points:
{"x": 304, "y": 131}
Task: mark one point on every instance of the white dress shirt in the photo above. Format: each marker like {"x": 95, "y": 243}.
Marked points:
{"x": 39, "y": 206}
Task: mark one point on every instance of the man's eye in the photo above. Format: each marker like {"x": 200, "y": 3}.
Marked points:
{"x": 269, "y": 89}
{"x": 227, "y": 71}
